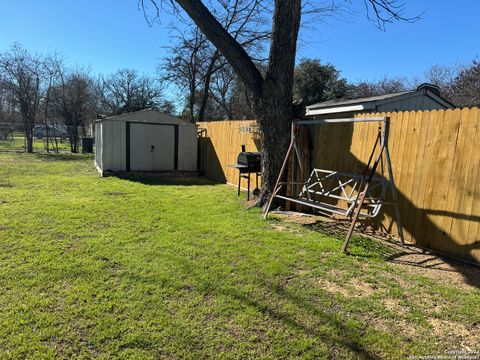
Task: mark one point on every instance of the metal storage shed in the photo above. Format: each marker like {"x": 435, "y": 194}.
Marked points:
{"x": 145, "y": 141}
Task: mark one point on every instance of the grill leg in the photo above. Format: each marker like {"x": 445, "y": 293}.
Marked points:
{"x": 248, "y": 187}
{"x": 239, "y": 180}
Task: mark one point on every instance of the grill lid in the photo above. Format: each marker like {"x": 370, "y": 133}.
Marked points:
{"x": 249, "y": 158}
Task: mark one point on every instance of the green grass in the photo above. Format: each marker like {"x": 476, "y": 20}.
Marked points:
{"x": 18, "y": 144}
{"x": 96, "y": 267}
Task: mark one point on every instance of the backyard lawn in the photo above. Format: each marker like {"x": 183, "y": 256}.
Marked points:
{"x": 96, "y": 267}
{"x": 17, "y": 143}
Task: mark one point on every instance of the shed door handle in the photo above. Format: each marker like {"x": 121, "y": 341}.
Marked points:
{"x": 152, "y": 148}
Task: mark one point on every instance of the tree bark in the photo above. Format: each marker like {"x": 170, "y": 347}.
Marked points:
{"x": 28, "y": 131}
{"x": 29, "y": 137}
{"x": 273, "y": 95}
{"x": 275, "y": 128}
{"x": 206, "y": 85}
{"x": 45, "y": 115}
{"x": 275, "y": 113}
{"x": 191, "y": 104}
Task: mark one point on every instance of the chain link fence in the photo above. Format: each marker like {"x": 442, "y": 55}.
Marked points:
{"x": 46, "y": 139}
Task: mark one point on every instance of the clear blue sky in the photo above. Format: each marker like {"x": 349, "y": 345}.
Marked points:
{"x": 110, "y": 34}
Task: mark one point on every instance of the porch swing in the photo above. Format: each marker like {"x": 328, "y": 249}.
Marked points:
{"x": 330, "y": 192}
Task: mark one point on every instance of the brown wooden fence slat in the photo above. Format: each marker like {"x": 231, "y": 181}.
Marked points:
{"x": 443, "y": 160}
{"x": 465, "y": 187}
{"x": 472, "y": 250}
{"x": 446, "y": 243}
{"x": 221, "y": 146}
{"x": 416, "y": 195}
{"x": 408, "y": 206}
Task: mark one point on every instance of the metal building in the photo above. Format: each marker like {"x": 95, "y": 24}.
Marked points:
{"x": 145, "y": 141}
{"x": 425, "y": 97}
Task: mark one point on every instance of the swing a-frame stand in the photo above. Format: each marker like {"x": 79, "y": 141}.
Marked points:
{"x": 331, "y": 192}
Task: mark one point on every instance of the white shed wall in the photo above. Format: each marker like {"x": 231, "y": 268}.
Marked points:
{"x": 98, "y": 145}
{"x": 111, "y": 140}
{"x": 113, "y": 145}
{"x": 187, "y": 147}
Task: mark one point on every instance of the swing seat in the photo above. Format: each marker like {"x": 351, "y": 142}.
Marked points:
{"x": 320, "y": 206}
{"x": 333, "y": 192}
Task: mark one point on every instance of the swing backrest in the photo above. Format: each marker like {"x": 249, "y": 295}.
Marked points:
{"x": 339, "y": 192}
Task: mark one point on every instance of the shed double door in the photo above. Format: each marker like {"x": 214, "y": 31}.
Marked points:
{"x": 152, "y": 147}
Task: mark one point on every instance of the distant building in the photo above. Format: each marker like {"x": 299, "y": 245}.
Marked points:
{"x": 425, "y": 97}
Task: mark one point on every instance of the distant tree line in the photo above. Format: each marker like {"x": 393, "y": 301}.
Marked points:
{"x": 221, "y": 95}
{"x": 459, "y": 84}
{"x": 316, "y": 82}
{"x": 42, "y": 89}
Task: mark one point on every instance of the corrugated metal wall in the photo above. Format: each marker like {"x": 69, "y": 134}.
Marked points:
{"x": 187, "y": 147}
{"x": 98, "y": 144}
{"x": 419, "y": 102}
{"x": 114, "y": 145}
{"x": 111, "y": 141}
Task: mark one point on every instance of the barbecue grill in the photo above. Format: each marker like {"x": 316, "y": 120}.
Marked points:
{"x": 247, "y": 163}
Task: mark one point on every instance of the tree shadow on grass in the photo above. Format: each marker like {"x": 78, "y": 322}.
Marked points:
{"x": 340, "y": 333}
{"x": 360, "y": 246}
{"x": 324, "y": 323}
{"x": 63, "y": 156}
{"x": 391, "y": 251}
{"x": 169, "y": 180}
{"x": 416, "y": 220}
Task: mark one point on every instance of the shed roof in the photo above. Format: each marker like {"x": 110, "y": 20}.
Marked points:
{"x": 343, "y": 102}
{"x": 151, "y": 114}
{"x": 371, "y": 102}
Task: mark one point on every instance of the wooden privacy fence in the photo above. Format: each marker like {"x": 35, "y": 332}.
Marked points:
{"x": 219, "y": 145}
{"x": 436, "y": 164}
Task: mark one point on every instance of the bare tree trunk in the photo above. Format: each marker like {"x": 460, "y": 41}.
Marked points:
{"x": 45, "y": 122}
{"x": 191, "y": 105}
{"x": 206, "y": 85}
{"x": 75, "y": 138}
{"x": 275, "y": 121}
{"x": 29, "y": 144}
{"x": 45, "y": 114}
{"x": 53, "y": 140}
{"x": 275, "y": 114}
{"x": 28, "y": 131}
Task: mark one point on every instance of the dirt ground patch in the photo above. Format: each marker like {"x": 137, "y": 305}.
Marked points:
{"x": 333, "y": 288}
{"x": 295, "y": 217}
{"x": 452, "y": 272}
{"x": 394, "y": 305}
{"x": 411, "y": 259}
{"x": 469, "y": 339}
{"x": 361, "y": 289}
{"x": 350, "y": 290}
{"x": 404, "y": 326}
{"x": 280, "y": 227}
